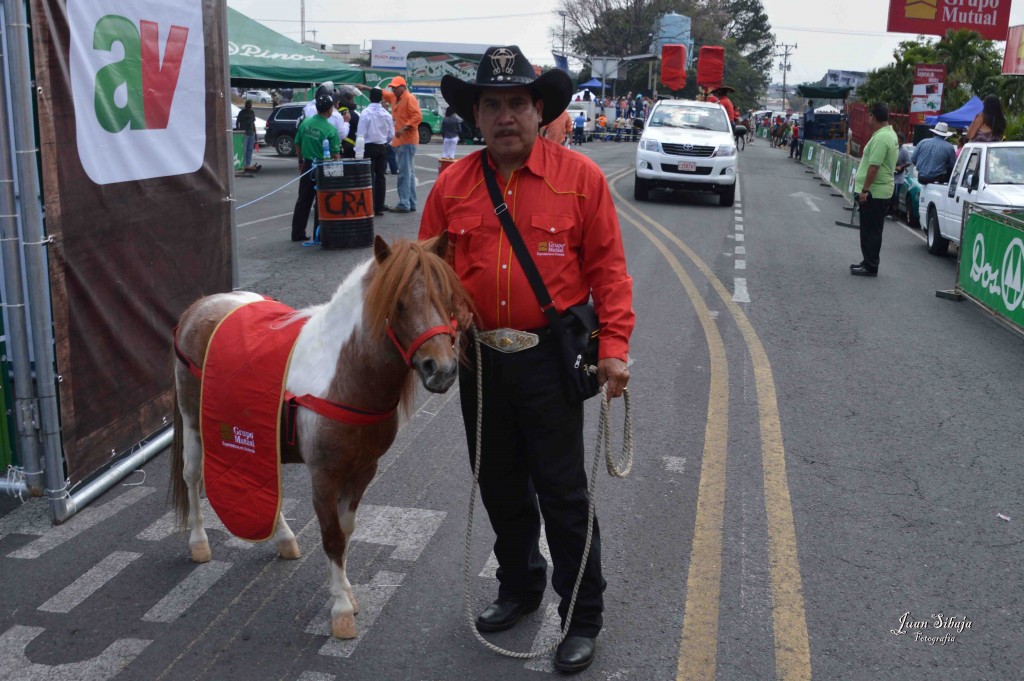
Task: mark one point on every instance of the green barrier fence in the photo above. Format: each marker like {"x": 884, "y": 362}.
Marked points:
{"x": 238, "y": 146}
{"x": 991, "y": 263}
{"x": 838, "y": 169}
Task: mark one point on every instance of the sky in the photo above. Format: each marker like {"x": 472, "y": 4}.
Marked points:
{"x": 828, "y": 34}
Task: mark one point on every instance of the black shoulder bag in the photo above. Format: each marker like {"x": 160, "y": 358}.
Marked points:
{"x": 577, "y": 330}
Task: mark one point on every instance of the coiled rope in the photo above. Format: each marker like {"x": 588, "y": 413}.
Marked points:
{"x": 604, "y": 442}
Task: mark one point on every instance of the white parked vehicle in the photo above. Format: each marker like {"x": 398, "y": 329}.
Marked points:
{"x": 261, "y": 125}
{"x": 686, "y": 145}
{"x": 588, "y": 110}
{"x": 989, "y": 174}
{"x": 258, "y": 96}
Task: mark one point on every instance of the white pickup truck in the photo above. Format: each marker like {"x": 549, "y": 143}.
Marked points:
{"x": 989, "y": 174}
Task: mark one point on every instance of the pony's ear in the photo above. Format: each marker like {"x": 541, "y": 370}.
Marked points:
{"x": 381, "y": 250}
{"x": 440, "y": 245}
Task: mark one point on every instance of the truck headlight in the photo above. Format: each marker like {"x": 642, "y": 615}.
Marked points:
{"x": 726, "y": 150}
{"x": 650, "y": 145}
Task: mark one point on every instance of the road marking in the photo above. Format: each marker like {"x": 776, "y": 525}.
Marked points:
{"x": 316, "y": 676}
{"x": 740, "y": 237}
{"x": 167, "y": 525}
{"x": 698, "y": 649}
{"x": 741, "y": 264}
{"x": 741, "y": 250}
{"x": 89, "y": 583}
{"x": 740, "y": 293}
{"x": 548, "y": 633}
{"x": 372, "y": 598}
{"x": 272, "y": 217}
{"x": 16, "y": 665}
{"x": 407, "y": 529}
{"x": 674, "y": 464}
{"x": 490, "y": 570}
{"x": 739, "y": 227}
{"x": 34, "y": 518}
{"x": 187, "y": 592}
{"x": 283, "y": 578}
{"x": 792, "y": 648}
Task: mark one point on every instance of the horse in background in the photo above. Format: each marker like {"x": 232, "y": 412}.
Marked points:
{"x": 394, "y": 317}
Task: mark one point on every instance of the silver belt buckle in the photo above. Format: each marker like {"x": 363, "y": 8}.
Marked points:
{"x": 508, "y": 340}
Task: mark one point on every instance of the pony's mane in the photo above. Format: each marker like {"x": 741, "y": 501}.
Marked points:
{"x": 390, "y": 278}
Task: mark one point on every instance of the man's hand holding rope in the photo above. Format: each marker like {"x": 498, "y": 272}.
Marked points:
{"x": 615, "y": 373}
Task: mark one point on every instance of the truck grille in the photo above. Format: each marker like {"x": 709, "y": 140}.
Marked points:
{"x": 691, "y": 150}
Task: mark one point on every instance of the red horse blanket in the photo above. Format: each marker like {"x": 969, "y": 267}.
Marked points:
{"x": 240, "y": 416}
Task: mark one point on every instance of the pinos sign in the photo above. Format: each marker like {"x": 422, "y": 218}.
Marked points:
{"x": 138, "y": 81}
{"x": 990, "y": 18}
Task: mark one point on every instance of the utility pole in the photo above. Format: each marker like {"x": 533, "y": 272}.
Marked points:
{"x": 563, "y": 13}
{"x": 302, "y": 21}
{"x": 786, "y": 52}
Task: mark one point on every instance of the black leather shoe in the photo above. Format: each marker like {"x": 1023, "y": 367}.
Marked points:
{"x": 856, "y": 264}
{"x": 860, "y": 271}
{"x": 504, "y": 613}
{"x": 574, "y": 654}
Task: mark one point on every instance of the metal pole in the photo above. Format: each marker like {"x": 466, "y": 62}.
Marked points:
{"x": 36, "y": 269}
{"x": 225, "y": 94}
{"x": 27, "y": 445}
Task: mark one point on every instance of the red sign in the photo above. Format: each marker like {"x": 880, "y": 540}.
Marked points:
{"x": 990, "y": 18}
{"x": 673, "y": 66}
{"x": 926, "y": 99}
{"x": 1013, "y": 60}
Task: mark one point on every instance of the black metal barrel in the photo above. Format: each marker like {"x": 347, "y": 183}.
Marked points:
{"x": 344, "y": 201}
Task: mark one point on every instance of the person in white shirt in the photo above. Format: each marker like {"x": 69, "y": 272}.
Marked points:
{"x": 339, "y": 122}
{"x": 377, "y": 128}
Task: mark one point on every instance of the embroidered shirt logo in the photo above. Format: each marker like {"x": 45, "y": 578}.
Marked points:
{"x": 551, "y": 248}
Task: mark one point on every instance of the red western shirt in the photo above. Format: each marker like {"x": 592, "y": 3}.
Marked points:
{"x": 562, "y": 208}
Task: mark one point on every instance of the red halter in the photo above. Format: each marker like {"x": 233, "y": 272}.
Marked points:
{"x": 450, "y": 329}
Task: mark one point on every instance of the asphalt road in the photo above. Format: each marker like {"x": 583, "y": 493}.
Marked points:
{"x": 818, "y": 457}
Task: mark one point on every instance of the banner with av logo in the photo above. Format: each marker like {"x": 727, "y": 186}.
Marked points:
{"x": 136, "y": 179}
{"x": 992, "y": 263}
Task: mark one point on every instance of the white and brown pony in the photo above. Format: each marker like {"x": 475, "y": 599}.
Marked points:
{"x": 362, "y": 348}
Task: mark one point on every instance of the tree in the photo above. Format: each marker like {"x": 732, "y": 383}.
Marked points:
{"x": 748, "y": 25}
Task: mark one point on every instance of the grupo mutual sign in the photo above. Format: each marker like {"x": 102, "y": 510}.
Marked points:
{"x": 990, "y": 18}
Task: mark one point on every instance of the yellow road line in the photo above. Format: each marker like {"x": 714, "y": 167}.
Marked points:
{"x": 698, "y": 650}
{"x": 792, "y": 648}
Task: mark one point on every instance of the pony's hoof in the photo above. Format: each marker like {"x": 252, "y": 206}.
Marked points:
{"x": 343, "y": 626}
{"x": 289, "y": 549}
{"x": 201, "y": 552}
{"x": 354, "y": 602}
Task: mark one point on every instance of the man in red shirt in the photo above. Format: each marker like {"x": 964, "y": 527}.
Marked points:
{"x": 532, "y": 428}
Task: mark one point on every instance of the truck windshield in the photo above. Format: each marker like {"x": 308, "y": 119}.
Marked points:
{"x": 683, "y": 116}
{"x": 1005, "y": 165}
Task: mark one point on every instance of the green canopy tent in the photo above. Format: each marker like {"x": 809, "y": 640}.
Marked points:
{"x": 260, "y": 56}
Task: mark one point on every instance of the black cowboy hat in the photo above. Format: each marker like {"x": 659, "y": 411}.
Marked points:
{"x": 724, "y": 89}
{"x": 506, "y": 66}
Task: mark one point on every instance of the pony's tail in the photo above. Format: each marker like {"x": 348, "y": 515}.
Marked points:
{"x": 178, "y": 490}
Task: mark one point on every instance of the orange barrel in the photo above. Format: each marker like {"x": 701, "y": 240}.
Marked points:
{"x": 344, "y": 203}
{"x": 444, "y": 163}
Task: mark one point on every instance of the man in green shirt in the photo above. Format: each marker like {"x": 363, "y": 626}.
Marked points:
{"x": 309, "y": 145}
{"x": 874, "y": 187}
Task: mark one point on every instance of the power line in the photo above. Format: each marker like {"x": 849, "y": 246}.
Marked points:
{"x": 412, "y": 21}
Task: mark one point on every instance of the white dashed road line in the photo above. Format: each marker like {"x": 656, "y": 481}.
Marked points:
{"x": 89, "y": 583}
{"x": 187, "y": 592}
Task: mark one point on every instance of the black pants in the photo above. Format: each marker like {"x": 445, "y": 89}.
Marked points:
{"x": 305, "y": 203}
{"x": 872, "y": 220}
{"x": 378, "y": 155}
{"x": 533, "y": 460}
